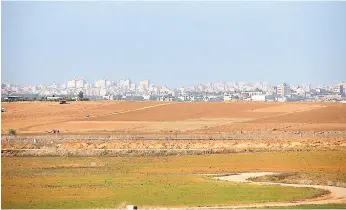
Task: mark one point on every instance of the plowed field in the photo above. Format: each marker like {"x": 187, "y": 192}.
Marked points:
{"x": 139, "y": 117}
{"x": 24, "y": 115}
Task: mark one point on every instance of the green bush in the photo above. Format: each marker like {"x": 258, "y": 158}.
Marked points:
{"x": 12, "y": 132}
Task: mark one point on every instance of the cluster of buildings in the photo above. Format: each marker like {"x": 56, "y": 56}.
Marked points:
{"x": 124, "y": 89}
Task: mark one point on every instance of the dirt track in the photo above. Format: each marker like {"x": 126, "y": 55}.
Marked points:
{"x": 337, "y": 194}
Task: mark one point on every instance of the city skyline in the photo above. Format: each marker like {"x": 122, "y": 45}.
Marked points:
{"x": 124, "y": 89}
{"x": 174, "y": 43}
{"x": 93, "y": 81}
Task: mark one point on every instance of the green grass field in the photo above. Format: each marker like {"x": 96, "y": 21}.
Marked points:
{"x": 112, "y": 182}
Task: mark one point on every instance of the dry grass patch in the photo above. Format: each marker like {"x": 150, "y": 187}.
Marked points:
{"x": 155, "y": 181}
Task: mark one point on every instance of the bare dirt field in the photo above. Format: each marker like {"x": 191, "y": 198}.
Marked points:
{"x": 177, "y": 142}
{"x": 28, "y": 115}
{"x": 111, "y": 124}
{"x": 198, "y": 110}
{"x": 156, "y": 117}
{"x": 294, "y": 117}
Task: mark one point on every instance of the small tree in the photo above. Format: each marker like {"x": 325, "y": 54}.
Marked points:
{"x": 80, "y": 95}
{"x": 12, "y": 132}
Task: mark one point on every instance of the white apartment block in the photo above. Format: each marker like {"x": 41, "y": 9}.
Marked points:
{"x": 102, "y": 83}
{"x": 103, "y": 92}
{"x": 108, "y": 83}
{"x": 144, "y": 84}
{"x": 125, "y": 83}
{"x": 339, "y": 88}
{"x": 93, "y": 92}
{"x": 132, "y": 87}
{"x": 283, "y": 89}
{"x": 71, "y": 84}
{"x": 80, "y": 83}
{"x": 301, "y": 91}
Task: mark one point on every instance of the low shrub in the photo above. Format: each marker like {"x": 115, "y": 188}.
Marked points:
{"x": 12, "y": 132}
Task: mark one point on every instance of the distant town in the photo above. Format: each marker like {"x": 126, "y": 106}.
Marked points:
{"x": 124, "y": 89}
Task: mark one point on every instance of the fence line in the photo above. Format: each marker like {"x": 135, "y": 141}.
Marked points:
{"x": 232, "y": 136}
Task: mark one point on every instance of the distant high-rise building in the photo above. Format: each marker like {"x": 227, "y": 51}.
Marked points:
{"x": 132, "y": 87}
{"x": 144, "y": 84}
{"x": 102, "y": 83}
{"x": 109, "y": 83}
{"x": 93, "y": 92}
{"x": 80, "y": 83}
{"x": 339, "y": 88}
{"x": 283, "y": 89}
{"x": 343, "y": 88}
{"x": 34, "y": 89}
{"x": 103, "y": 92}
{"x": 76, "y": 83}
{"x": 125, "y": 83}
{"x": 71, "y": 83}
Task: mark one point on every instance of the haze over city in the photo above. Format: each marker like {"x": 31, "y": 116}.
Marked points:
{"x": 174, "y": 43}
{"x": 173, "y": 105}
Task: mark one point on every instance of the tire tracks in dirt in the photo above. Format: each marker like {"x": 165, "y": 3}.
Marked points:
{"x": 265, "y": 117}
{"x": 109, "y": 114}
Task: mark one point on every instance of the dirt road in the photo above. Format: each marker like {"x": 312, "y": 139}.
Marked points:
{"x": 336, "y": 195}
{"x": 97, "y": 116}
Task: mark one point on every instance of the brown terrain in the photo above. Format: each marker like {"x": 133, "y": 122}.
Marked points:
{"x": 188, "y": 126}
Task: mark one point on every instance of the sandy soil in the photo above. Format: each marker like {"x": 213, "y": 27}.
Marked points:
{"x": 330, "y": 113}
{"x": 136, "y": 126}
{"x": 161, "y": 117}
{"x": 186, "y": 111}
{"x": 299, "y": 117}
{"x": 294, "y": 107}
{"x": 26, "y": 115}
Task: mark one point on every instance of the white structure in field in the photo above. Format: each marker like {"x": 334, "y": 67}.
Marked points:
{"x": 146, "y": 97}
{"x": 108, "y": 97}
{"x": 227, "y": 98}
{"x": 53, "y": 98}
{"x": 258, "y": 98}
{"x": 282, "y": 99}
{"x": 262, "y": 98}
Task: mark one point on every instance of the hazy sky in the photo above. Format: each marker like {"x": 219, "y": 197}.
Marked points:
{"x": 174, "y": 43}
